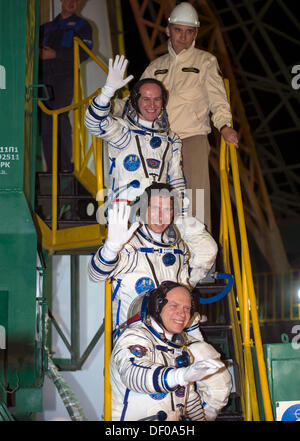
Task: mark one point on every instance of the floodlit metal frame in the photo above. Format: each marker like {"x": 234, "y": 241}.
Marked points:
{"x": 274, "y": 82}
{"x": 76, "y": 360}
{"x": 151, "y": 18}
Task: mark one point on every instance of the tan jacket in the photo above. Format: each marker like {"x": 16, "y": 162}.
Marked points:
{"x": 195, "y": 88}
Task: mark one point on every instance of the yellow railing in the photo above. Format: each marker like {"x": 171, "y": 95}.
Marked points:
{"x": 278, "y": 296}
{"x": 244, "y": 286}
{"x": 83, "y": 236}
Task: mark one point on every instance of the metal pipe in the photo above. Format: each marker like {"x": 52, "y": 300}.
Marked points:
{"x": 54, "y": 176}
{"x": 248, "y": 271}
{"x": 76, "y": 155}
{"x": 75, "y": 309}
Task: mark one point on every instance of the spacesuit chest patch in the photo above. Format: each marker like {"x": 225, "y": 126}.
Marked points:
{"x": 180, "y": 391}
{"x": 155, "y": 142}
{"x": 131, "y": 163}
{"x": 144, "y": 284}
{"x": 138, "y": 350}
{"x": 168, "y": 259}
{"x": 153, "y": 163}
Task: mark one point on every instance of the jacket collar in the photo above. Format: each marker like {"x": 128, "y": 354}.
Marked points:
{"x": 184, "y": 54}
{"x": 170, "y": 236}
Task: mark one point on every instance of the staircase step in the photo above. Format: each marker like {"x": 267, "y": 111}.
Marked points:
{"x": 230, "y": 416}
{"x": 76, "y": 206}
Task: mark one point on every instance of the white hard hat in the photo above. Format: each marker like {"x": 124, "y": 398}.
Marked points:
{"x": 184, "y": 14}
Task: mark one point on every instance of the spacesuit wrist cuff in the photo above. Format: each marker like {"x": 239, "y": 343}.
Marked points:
{"x": 109, "y": 258}
{"x": 170, "y": 385}
{"x": 101, "y": 102}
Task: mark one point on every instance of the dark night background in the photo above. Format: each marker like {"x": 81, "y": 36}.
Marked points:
{"x": 282, "y": 17}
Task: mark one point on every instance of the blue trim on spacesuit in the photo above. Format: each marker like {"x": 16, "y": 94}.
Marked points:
{"x": 98, "y": 106}
{"x": 113, "y": 165}
{"x": 98, "y": 270}
{"x": 144, "y": 130}
{"x": 152, "y": 250}
{"x": 107, "y": 262}
{"x": 155, "y": 379}
{"x": 125, "y": 402}
{"x": 170, "y": 389}
{"x": 116, "y": 289}
{"x": 118, "y": 313}
{"x": 98, "y": 117}
{"x": 153, "y": 241}
{"x": 173, "y": 345}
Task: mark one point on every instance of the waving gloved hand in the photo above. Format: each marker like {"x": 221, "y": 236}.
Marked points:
{"x": 115, "y": 79}
{"x": 195, "y": 372}
{"x": 118, "y": 231}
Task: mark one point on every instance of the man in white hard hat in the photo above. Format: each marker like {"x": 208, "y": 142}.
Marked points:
{"x": 196, "y": 90}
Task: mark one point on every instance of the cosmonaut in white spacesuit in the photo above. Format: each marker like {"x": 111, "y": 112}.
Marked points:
{"x": 157, "y": 372}
{"x": 140, "y": 258}
{"x": 141, "y": 148}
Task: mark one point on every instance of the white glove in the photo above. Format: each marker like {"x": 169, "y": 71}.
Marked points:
{"x": 210, "y": 413}
{"x": 189, "y": 226}
{"x": 115, "y": 79}
{"x": 118, "y": 231}
{"x": 196, "y": 372}
{"x": 196, "y": 275}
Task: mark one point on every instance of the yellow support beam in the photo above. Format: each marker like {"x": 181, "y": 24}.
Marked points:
{"x": 107, "y": 352}
{"x": 244, "y": 287}
{"x": 69, "y": 238}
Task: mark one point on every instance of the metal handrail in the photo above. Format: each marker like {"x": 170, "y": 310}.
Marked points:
{"x": 244, "y": 285}
{"x": 80, "y": 156}
{"x": 54, "y": 114}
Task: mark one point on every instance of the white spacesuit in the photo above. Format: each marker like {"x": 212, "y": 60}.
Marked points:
{"x": 139, "y": 151}
{"x": 147, "y": 386}
{"x": 143, "y": 263}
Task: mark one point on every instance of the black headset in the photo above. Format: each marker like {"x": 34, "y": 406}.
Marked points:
{"x": 157, "y": 299}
